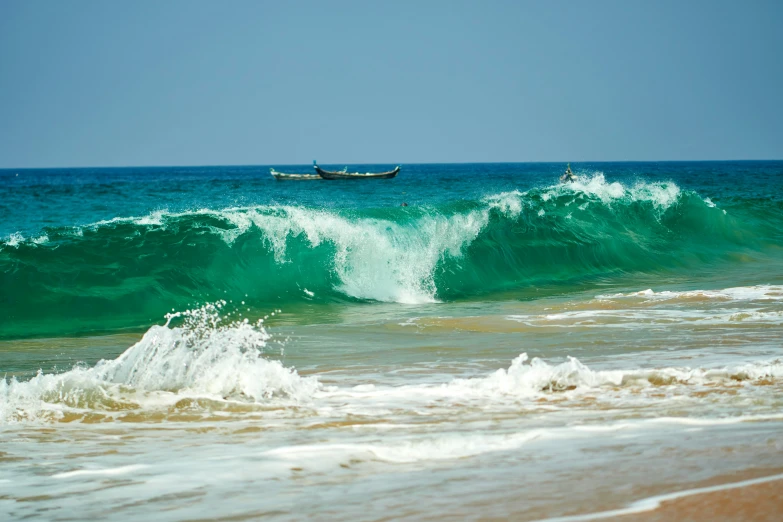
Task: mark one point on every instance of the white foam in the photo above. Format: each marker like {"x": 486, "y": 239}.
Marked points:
{"x": 526, "y": 381}
{"x": 412, "y": 321}
{"x": 225, "y": 362}
{"x": 374, "y": 259}
{"x": 155, "y": 218}
{"x": 14, "y": 240}
{"x": 444, "y": 447}
{"x": 201, "y": 358}
{"x": 405, "y": 447}
{"x": 509, "y": 204}
{"x": 530, "y": 378}
{"x": 661, "y": 194}
{"x": 630, "y": 319}
{"x": 740, "y": 293}
{"x": 122, "y": 470}
{"x": 536, "y": 377}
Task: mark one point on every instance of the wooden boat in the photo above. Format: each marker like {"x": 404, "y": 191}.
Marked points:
{"x": 280, "y": 176}
{"x": 326, "y": 174}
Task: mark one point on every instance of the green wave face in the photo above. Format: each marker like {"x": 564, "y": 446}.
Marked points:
{"x": 129, "y": 272}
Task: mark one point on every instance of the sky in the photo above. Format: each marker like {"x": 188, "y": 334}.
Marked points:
{"x": 164, "y": 82}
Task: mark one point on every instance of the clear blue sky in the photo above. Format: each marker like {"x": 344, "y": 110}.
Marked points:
{"x": 142, "y": 82}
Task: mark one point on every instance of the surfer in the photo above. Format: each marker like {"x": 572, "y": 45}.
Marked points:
{"x": 568, "y": 176}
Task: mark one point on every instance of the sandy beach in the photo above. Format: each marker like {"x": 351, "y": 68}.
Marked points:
{"x": 751, "y": 496}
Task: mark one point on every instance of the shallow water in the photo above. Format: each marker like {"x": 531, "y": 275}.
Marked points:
{"x": 473, "y": 358}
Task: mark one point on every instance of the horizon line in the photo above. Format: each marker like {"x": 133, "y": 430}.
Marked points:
{"x": 246, "y": 165}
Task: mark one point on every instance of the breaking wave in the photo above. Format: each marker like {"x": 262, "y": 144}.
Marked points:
{"x": 126, "y": 272}
{"x": 532, "y": 377}
{"x": 209, "y": 363}
{"x": 205, "y": 357}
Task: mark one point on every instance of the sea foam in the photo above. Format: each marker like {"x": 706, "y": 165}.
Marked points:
{"x": 205, "y": 356}
{"x": 530, "y": 378}
{"x": 740, "y": 293}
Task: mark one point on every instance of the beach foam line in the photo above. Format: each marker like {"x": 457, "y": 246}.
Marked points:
{"x": 653, "y": 503}
{"x": 630, "y": 319}
{"x": 534, "y": 377}
{"x": 104, "y": 471}
{"x": 675, "y": 421}
{"x": 208, "y": 358}
{"x": 738, "y": 293}
{"x": 447, "y": 447}
{"x": 457, "y": 446}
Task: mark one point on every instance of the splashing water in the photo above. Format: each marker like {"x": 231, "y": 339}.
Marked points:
{"x": 206, "y": 356}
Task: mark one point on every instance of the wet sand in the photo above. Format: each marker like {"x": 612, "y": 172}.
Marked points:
{"x": 756, "y": 503}
{"x": 748, "y": 497}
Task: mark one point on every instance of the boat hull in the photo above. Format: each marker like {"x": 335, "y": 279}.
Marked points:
{"x": 281, "y": 176}
{"x": 326, "y": 174}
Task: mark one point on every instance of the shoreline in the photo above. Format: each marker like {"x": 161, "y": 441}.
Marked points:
{"x": 758, "y": 499}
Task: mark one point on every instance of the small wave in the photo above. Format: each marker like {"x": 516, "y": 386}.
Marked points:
{"x": 205, "y": 356}
{"x": 203, "y": 359}
{"x": 531, "y": 378}
{"x": 632, "y": 319}
{"x": 661, "y": 194}
{"x": 14, "y": 240}
{"x": 469, "y": 444}
{"x": 534, "y": 383}
{"x": 446, "y": 447}
{"x": 740, "y": 293}
{"x": 121, "y": 470}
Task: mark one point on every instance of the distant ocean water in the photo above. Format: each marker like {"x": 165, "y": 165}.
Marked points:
{"x": 185, "y": 336}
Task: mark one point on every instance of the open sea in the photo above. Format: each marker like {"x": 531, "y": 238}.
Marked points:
{"x": 196, "y": 343}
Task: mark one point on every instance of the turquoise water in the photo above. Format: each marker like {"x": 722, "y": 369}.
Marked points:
{"x": 91, "y": 250}
{"x": 163, "y": 328}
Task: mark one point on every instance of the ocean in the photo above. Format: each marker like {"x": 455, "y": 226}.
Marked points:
{"x": 191, "y": 343}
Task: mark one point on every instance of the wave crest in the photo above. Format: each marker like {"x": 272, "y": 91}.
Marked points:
{"x": 532, "y": 378}
{"x": 122, "y": 271}
{"x": 207, "y": 356}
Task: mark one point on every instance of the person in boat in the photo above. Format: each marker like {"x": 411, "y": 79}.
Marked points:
{"x": 568, "y": 176}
